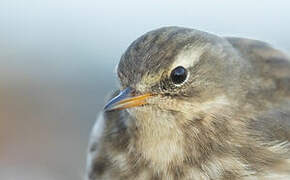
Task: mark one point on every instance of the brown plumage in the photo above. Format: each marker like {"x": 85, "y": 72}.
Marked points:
{"x": 195, "y": 106}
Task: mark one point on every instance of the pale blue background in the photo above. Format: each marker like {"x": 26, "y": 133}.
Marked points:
{"x": 57, "y": 59}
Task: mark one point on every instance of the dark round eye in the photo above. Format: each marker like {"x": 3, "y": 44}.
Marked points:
{"x": 178, "y": 75}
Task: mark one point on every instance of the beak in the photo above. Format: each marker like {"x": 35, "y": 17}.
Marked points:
{"x": 125, "y": 100}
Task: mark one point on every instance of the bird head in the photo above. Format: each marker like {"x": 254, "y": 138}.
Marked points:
{"x": 178, "y": 70}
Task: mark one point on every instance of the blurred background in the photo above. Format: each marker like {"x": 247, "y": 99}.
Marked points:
{"x": 57, "y": 61}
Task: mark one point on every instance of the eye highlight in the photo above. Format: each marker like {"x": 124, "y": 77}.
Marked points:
{"x": 178, "y": 75}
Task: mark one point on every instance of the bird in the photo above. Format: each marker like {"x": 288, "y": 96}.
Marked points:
{"x": 192, "y": 105}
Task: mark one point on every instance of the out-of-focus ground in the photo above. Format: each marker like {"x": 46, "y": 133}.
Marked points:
{"x": 57, "y": 61}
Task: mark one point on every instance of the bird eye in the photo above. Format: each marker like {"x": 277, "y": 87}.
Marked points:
{"x": 178, "y": 75}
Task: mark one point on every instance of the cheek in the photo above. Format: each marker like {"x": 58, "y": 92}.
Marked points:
{"x": 166, "y": 103}
{"x": 188, "y": 108}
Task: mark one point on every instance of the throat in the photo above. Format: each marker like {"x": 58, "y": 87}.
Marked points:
{"x": 158, "y": 137}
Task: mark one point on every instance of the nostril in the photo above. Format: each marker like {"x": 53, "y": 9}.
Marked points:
{"x": 134, "y": 92}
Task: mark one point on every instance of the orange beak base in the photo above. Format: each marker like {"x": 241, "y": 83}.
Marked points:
{"x": 123, "y": 100}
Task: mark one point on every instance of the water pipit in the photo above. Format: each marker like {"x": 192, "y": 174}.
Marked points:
{"x": 195, "y": 106}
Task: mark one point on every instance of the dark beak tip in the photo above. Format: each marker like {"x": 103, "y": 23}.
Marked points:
{"x": 106, "y": 108}
{"x": 114, "y": 101}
